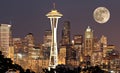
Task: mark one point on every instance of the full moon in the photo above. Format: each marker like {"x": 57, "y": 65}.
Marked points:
{"x": 101, "y": 15}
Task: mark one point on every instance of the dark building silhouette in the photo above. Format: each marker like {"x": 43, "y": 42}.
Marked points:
{"x": 66, "y": 33}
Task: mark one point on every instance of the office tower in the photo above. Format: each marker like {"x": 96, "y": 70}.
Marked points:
{"x": 88, "y": 42}
{"x": 34, "y": 53}
{"x": 5, "y": 39}
{"x": 110, "y": 48}
{"x": 47, "y": 43}
{"x": 103, "y": 41}
{"x": 17, "y": 43}
{"x": 78, "y": 45}
{"x": 28, "y": 42}
{"x": 54, "y": 15}
{"x": 47, "y": 38}
{"x": 112, "y": 57}
{"x": 66, "y": 33}
{"x": 78, "y": 39}
{"x": 96, "y": 57}
{"x": 96, "y": 45}
{"x": 64, "y": 51}
{"x": 30, "y": 39}
{"x": 71, "y": 56}
{"x": 62, "y": 55}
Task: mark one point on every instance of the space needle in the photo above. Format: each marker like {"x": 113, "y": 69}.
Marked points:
{"x": 54, "y": 15}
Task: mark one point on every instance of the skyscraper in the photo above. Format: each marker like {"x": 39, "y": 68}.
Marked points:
{"x": 54, "y": 15}
{"x": 5, "y": 39}
{"x": 78, "y": 39}
{"x": 47, "y": 38}
{"x": 30, "y": 39}
{"x": 65, "y": 50}
{"x": 78, "y": 45}
{"x": 62, "y": 55}
{"x": 47, "y": 43}
{"x": 17, "y": 43}
{"x": 28, "y": 42}
{"x": 66, "y": 33}
{"x": 103, "y": 41}
{"x": 88, "y": 41}
{"x": 96, "y": 57}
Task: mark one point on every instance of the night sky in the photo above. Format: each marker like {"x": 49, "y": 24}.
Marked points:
{"x": 29, "y": 16}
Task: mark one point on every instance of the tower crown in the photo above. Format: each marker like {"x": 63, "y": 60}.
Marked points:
{"x": 88, "y": 29}
{"x": 54, "y": 13}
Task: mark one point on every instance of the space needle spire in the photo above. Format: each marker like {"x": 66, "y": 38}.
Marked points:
{"x": 54, "y": 5}
{"x": 54, "y": 15}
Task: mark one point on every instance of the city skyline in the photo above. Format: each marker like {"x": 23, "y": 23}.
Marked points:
{"x": 29, "y": 16}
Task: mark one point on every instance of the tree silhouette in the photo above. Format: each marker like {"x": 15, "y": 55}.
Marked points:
{"x": 70, "y": 69}
{"x": 7, "y": 64}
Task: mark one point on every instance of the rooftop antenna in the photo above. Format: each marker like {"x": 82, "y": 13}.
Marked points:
{"x": 54, "y": 5}
{"x": 10, "y": 22}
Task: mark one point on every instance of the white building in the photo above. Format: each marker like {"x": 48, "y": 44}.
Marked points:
{"x": 5, "y": 39}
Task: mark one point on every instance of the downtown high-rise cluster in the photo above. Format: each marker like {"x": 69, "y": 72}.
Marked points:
{"x": 82, "y": 50}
